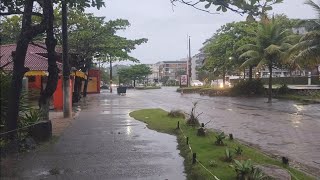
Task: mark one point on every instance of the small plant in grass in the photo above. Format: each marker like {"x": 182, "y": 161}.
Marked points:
{"x": 238, "y": 150}
{"x": 246, "y": 171}
{"x": 176, "y": 114}
{"x": 202, "y": 131}
{"x": 193, "y": 117}
{"x": 213, "y": 163}
{"x": 257, "y": 174}
{"x": 219, "y": 139}
{"x": 228, "y": 155}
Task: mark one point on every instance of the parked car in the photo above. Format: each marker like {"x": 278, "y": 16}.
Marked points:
{"x": 196, "y": 83}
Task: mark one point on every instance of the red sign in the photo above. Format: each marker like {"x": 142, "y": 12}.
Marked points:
{"x": 184, "y": 80}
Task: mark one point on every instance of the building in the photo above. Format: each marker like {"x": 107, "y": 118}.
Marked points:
{"x": 154, "y": 77}
{"x": 37, "y": 63}
{"x": 196, "y": 63}
{"x": 172, "y": 69}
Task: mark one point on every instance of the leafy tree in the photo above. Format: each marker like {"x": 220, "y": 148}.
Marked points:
{"x": 135, "y": 72}
{"x": 30, "y": 30}
{"x": 271, "y": 44}
{"x": 252, "y": 8}
{"x": 307, "y": 51}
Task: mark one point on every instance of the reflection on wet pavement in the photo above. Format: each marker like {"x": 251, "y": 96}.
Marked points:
{"x": 105, "y": 143}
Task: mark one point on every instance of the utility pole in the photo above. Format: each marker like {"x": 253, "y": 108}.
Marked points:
{"x": 110, "y": 74}
{"x": 66, "y": 69}
{"x": 189, "y": 64}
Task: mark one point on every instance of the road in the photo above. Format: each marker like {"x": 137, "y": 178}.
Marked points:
{"x": 283, "y": 128}
{"x": 103, "y": 142}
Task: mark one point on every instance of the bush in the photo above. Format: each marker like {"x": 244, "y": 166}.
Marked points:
{"x": 5, "y": 80}
{"x": 248, "y": 88}
{"x": 219, "y": 139}
{"x": 228, "y": 155}
{"x": 193, "y": 117}
{"x": 246, "y": 171}
{"x": 283, "y": 89}
{"x": 238, "y": 150}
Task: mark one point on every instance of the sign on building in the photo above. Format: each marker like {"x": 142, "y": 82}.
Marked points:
{"x": 184, "y": 80}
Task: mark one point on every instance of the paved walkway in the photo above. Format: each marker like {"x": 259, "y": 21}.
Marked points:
{"x": 103, "y": 142}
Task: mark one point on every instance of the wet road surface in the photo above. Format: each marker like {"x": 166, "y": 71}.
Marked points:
{"x": 283, "y": 128}
{"x": 103, "y": 142}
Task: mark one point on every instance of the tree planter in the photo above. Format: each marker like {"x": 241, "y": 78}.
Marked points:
{"x": 41, "y": 131}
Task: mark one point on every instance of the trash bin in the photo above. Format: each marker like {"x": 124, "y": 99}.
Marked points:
{"x": 121, "y": 90}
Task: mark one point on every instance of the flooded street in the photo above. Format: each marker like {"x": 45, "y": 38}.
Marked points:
{"x": 105, "y": 143}
{"x": 283, "y": 128}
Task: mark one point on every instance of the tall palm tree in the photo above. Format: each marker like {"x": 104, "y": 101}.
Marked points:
{"x": 308, "y": 47}
{"x": 271, "y": 43}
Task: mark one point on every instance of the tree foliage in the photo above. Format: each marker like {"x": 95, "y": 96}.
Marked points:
{"x": 307, "y": 51}
{"x": 252, "y": 8}
{"x": 134, "y": 73}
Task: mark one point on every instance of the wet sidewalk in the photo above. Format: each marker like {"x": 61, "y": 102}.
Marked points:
{"x": 103, "y": 142}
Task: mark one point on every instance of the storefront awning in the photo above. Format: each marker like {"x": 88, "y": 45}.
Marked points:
{"x": 79, "y": 74}
{"x": 36, "y": 73}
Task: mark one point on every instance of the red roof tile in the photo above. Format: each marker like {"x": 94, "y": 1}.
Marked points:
{"x": 34, "y": 61}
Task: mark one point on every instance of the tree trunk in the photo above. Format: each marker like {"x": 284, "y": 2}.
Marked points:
{"x": 250, "y": 73}
{"x": 270, "y": 85}
{"x": 27, "y": 33}
{"x": 134, "y": 83}
{"x": 244, "y": 73}
{"x": 224, "y": 77}
{"x": 51, "y": 42}
{"x": 77, "y": 89}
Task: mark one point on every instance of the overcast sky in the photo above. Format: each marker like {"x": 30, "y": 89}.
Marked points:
{"x": 167, "y": 27}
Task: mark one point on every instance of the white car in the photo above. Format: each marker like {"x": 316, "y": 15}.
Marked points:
{"x": 196, "y": 83}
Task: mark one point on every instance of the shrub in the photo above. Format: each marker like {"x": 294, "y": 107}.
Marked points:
{"x": 248, "y": 88}
{"x": 228, "y": 155}
{"x": 238, "y": 150}
{"x": 176, "y": 114}
{"x": 246, "y": 171}
{"x": 283, "y": 89}
{"x": 219, "y": 139}
{"x": 5, "y": 80}
{"x": 30, "y": 117}
{"x": 193, "y": 117}
{"x": 243, "y": 169}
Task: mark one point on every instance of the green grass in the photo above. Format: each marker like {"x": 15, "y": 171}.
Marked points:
{"x": 304, "y": 99}
{"x": 205, "y": 148}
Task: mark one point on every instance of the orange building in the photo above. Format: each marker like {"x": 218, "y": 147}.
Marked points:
{"x": 37, "y": 63}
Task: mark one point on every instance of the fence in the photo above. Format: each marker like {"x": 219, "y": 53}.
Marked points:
{"x": 194, "y": 155}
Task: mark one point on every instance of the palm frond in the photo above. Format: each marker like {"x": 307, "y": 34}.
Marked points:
{"x": 311, "y": 54}
{"x": 250, "y": 62}
{"x": 248, "y": 47}
{"x": 249, "y": 54}
{"x": 315, "y": 6}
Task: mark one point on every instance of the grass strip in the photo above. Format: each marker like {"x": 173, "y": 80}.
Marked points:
{"x": 209, "y": 154}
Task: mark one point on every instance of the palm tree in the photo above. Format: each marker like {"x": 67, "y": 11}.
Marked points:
{"x": 271, "y": 43}
{"x": 308, "y": 47}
